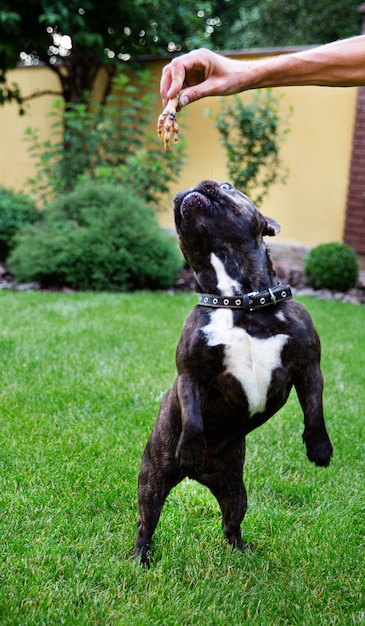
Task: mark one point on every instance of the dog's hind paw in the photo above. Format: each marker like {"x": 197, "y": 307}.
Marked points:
{"x": 142, "y": 556}
{"x": 237, "y": 543}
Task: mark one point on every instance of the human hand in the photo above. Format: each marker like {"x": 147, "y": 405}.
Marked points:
{"x": 198, "y": 74}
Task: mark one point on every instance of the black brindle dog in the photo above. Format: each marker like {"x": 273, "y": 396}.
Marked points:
{"x": 242, "y": 349}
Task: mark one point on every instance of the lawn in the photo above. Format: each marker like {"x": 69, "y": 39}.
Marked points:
{"x": 81, "y": 380}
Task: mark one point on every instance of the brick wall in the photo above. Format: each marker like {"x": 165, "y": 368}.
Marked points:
{"x": 355, "y": 212}
{"x": 354, "y": 233}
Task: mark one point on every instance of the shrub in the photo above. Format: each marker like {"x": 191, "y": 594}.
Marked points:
{"x": 16, "y": 210}
{"x": 97, "y": 237}
{"x": 332, "y": 266}
{"x": 107, "y": 142}
{"x": 252, "y": 133}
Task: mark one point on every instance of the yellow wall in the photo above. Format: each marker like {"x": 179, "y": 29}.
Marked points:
{"x": 15, "y": 163}
{"x": 311, "y": 205}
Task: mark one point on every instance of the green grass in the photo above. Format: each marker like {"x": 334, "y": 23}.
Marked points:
{"x": 81, "y": 380}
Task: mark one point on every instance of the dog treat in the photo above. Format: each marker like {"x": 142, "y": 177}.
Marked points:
{"x": 167, "y": 123}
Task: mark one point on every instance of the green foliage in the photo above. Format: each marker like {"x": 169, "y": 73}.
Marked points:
{"x": 117, "y": 35}
{"x": 107, "y": 142}
{"x": 119, "y": 32}
{"x": 252, "y": 133}
{"x": 331, "y": 266}
{"x": 10, "y": 93}
{"x": 98, "y": 237}
{"x": 267, "y": 23}
{"x": 122, "y": 31}
{"x": 16, "y": 210}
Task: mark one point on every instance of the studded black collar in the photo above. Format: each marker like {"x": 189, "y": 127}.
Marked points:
{"x": 249, "y": 301}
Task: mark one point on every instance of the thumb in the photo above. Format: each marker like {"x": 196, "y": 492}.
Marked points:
{"x": 184, "y": 99}
{"x": 192, "y": 94}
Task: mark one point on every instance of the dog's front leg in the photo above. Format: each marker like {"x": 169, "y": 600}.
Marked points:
{"x": 309, "y": 388}
{"x": 191, "y": 444}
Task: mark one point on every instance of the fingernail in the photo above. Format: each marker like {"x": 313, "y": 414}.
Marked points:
{"x": 184, "y": 100}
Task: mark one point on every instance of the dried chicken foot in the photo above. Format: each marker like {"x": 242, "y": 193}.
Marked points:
{"x": 167, "y": 123}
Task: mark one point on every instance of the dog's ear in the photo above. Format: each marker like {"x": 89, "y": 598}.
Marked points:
{"x": 270, "y": 227}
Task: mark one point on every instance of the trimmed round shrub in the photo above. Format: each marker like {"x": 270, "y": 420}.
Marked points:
{"x": 331, "y": 266}
{"x": 97, "y": 237}
{"x": 16, "y": 210}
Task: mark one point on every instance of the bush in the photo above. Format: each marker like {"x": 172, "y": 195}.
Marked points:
{"x": 332, "y": 266}
{"x": 252, "y": 134}
{"x": 16, "y": 210}
{"x": 97, "y": 237}
{"x": 107, "y": 142}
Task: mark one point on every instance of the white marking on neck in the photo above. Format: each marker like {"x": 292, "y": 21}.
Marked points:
{"x": 280, "y": 316}
{"x": 249, "y": 359}
{"x": 225, "y": 283}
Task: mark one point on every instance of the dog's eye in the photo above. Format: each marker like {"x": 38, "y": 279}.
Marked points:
{"x": 226, "y": 186}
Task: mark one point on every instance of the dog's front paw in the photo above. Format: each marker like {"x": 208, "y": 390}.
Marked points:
{"x": 189, "y": 453}
{"x": 319, "y": 452}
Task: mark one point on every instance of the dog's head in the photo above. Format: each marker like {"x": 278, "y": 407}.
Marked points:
{"x": 217, "y": 218}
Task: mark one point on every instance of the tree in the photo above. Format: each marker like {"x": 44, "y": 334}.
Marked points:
{"x": 269, "y": 23}
{"x": 73, "y": 40}
{"x": 76, "y": 38}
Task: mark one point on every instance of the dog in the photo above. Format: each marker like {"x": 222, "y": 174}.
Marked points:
{"x": 243, "y": 347}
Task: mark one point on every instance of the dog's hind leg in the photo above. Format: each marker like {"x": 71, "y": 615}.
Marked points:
{"x": 228, "y": 488}
{"x": 309, "y": 388}
{"x": 231, "y": 495}
{"x": 159, "y": 472}
{"x": 154, "y": 485}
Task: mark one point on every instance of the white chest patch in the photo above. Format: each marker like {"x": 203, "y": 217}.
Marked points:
{"x": 250, "y": 360}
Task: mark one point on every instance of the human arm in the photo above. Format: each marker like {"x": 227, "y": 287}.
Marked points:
{"x": 202, "y": 73}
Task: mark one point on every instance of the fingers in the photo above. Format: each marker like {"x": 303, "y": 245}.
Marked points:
{"x": 201, "y": 73}
{"x": 183, "y": 73}
{"x": 172, "y": 80}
